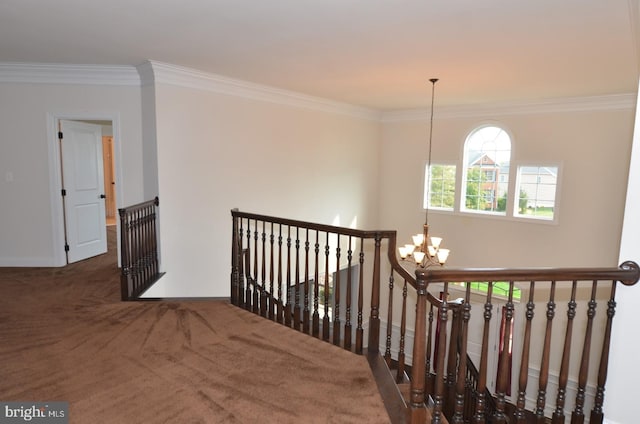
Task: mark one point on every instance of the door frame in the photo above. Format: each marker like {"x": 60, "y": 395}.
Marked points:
{"x": 55, "y": 174}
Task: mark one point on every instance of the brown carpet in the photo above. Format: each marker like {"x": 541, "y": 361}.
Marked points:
{"x": 65, "y": 336}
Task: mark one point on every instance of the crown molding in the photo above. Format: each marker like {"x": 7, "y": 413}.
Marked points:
{"x": 56, "y": 73}
{"x": 574, "y": 104}
{"x": 164, "y": 73}
{"x": 153, "y": 72}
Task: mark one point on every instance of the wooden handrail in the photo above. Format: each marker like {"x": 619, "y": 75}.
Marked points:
{"x": 627, "y": 273}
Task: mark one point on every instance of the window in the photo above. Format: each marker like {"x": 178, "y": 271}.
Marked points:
{"x": 487, "y": 154}
{"x": 443, "y": 187}
{"x": 500, "y": 288}
{"x": 536, "y": 186}
{"x": 489, "y": 185}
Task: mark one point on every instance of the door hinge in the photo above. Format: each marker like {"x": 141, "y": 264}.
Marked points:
{"x": 60, "y": 135}
{"x": 66, "y": 247}
{"x": 64, "y": 192}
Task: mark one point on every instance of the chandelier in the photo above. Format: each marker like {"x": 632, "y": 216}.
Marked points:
{"x": 425, "y": 250}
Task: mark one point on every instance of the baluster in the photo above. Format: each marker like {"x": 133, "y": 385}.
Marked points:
{"x": 132, "y": 250}
{"x": 326, "y": 292}
{"x": 263, "y": 287}
{"x": 234, "y": 262}
{"x": 374, "y": 318}
{"x": 316, "y": 288}
{"x": 272, "y": 311}
{"x": 154, "y": 240}
{"x": 347, "y": 324}
{"x": 125, "y": 252}
{"x": 440, "y": 371}
{"x": 359, "y": 329}
{"x": 305, "y": 315}
{"x": 135, "y": 266}
{"x": 452, "y": 363}
{"x": 144, "y": 268}
{"x": 256, "y": 281}
{"x": 544, "y": 363}
{"x": 429, "y": 383}
{"x": 287, "y": 308}
{"x": 524, "y": 364}
{"x": 242, "y": 278}
{"x": 481, "y": 401}
{"x": 139, "y": 268}
{"x": 140, "y": 246}
{"x": 336, "y": 296}
{"x": 247, "y": 267}
{"x": 145, "y": 246}
{"x": 417, "y": 411}
{"x": 280, "y": 311}
{"x": 296, "y": 308}
{"x": 458, "y": 416}
{"x": 156, "y": 265}
{"x": 577, "y": 416}
{"x": 596, "y": 413}
{"x": 504, "y": 365}
{"x": 387, "y": 351}
{"x": 558, "y": 414}
{"x": 403, "y": 330}
{"x": 140, "y": 258}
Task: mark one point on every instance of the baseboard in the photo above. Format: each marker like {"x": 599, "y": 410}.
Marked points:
{"x": 182, "y": 299}
{"x": 29, "y": 263}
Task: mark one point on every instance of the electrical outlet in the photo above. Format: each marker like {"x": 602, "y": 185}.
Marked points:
{"x": 8, "y": 176}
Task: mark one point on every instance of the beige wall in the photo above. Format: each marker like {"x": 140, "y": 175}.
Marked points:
{"x": 30, "y": 230}
{"x": 217, "y": 152}
{"x": 623, "y": 370}
{"x": 593, "y": 149}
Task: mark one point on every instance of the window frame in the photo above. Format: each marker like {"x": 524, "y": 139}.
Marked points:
{"x": 426, "y": 189}
{"x": 516, "y": 190}
{"x": 462, "y": 187}
{"x": 512, "y": 188}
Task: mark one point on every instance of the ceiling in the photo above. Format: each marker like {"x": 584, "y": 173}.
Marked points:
{"x": 378, "y": 54}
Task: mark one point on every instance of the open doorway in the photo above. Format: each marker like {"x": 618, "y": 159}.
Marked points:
{"x": 84, "y": 181}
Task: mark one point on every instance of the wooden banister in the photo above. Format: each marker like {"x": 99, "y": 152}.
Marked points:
{"x": 627, "y": 274}
{"x": 298, "y": 273}
{"x": 138, "y": 248}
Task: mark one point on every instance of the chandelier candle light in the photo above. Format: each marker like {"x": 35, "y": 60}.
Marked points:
{"x": 424, "y": 254}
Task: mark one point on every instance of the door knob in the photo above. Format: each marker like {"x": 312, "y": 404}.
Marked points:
{"x": 102, "y": 196}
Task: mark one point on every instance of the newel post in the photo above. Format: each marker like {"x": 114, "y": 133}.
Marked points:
{"x": 374, "y": 319}
{"x": 235, "y": 272}
{"x": 417, "y": 410}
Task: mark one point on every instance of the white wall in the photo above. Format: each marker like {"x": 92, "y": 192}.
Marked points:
{"x": 593, "y": 147}
{"x": 28, "y": 235}
{"x": 620, "y": 397}
{"x": 218, "y": 151}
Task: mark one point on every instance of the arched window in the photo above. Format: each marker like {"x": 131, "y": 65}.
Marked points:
{"x": 485, "y": 173}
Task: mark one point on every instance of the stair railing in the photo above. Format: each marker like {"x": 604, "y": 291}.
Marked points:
{"x": 318, "y": 278}
{"x": 596, "y": 282}
{"x": 310, "y": 276}
{"x": 138, "y": 248}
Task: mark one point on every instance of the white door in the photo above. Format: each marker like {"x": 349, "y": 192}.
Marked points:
{"x": 83, "y": 185}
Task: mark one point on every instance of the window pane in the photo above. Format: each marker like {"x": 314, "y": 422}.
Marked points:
{"x": 443, "y": 187}
{"x": 537, "y": 191}
{"x": 487, "y": 157}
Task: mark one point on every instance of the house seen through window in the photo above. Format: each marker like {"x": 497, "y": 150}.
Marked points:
{"x": 536, "y": 186}
{"x": 487, "y": 155}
